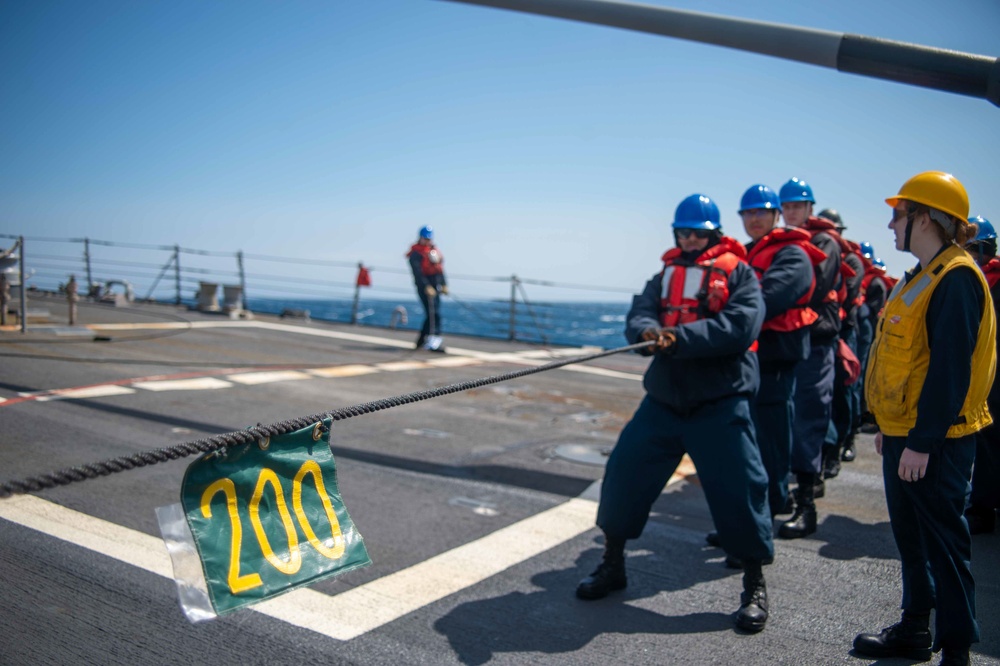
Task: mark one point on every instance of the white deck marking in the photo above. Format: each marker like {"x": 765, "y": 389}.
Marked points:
{"x": 398, "y": 366}
{"x": 87, "y": 392}
{"x": 343, "y": 371}
{"x": 196, "y": 384}
{"x": 348, "y": 614}
{"x": 356, "y": 611}
{"x": 453, "y": 362}
{"x": 253, "y": 378}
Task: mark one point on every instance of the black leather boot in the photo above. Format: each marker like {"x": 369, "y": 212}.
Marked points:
{"x": 953, "y": 656}
{"x": 848, "y": 454}
{"x": 752, "y": 615}
{"x": 831, "y": 461}
{"x": 909, "y": 638}
{"x": 803, "y": 522}
{"x": 712, "y": 539}
{"x": 609, "y": 574}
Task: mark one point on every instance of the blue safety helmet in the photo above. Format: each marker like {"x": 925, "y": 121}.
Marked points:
{"x": 759, "y": 196}
{"x": 867, "y": 250}
{"x": 697, "y": 212}
{"x": 878, "y": 263}
{"x": 426, "y": 232}
{"x": 986, "y": 230}
{"x": 796, "y": 190}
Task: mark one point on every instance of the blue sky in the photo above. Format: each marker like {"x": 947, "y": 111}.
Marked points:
{"x": 547, "y": 148}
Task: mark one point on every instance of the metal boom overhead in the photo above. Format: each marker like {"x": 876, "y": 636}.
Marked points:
{"x": 941, "y": 69}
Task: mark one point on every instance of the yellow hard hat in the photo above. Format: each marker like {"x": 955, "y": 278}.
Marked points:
{"x": 936, "y": 189}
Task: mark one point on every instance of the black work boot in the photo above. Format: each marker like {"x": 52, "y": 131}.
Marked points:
{"x": 803, "y": 522}
{"x": 752, "y": 615}
{"x": 953, "y": 656}
{"x": 831, "y": 461}
{"x": 712, "y": 539}
{"x": 909, "y": 638}
{"x": 609, "y": 574}
{"x": 848, "y": 454}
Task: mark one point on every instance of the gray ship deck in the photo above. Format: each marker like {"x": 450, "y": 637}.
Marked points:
{"x": 477, "y": 509}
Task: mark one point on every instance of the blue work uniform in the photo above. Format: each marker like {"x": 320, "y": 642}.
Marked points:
{"x": 927, "y": 515}
{"x": 783, "y": 283}
{"x": 697, "y": 402}
{"x": 815, "y": 375}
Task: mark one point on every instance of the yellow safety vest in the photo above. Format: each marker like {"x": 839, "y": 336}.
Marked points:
{"x": 900, "y": 354}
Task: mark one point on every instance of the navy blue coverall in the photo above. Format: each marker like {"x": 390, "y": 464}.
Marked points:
{"x": 814, "y": 376}
{"x": 927, "y": 520}
{"x": 785, "y": 281}
{"x": 697, "y": 402}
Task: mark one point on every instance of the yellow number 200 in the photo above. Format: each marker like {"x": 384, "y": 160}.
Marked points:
{"x": 241, "y": 583}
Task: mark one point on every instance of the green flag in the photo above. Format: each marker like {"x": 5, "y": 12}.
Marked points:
{"x": 267, "y": 518}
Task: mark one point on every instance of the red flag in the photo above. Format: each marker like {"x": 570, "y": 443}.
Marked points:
{"x": 364, "y": 277}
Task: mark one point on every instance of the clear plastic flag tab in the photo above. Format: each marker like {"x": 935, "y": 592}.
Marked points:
{"x": 258, "y": 520}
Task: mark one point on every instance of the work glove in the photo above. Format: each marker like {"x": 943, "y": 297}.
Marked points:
{"x": 665, "y": 338}
{"x": 444, "y": 289}
{"x": 430, "y": 291}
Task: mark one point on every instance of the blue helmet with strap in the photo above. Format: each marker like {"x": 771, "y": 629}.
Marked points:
{"x": 427, "y": 232}
{"x": 986, "y": 231}
{"x": 697, "y": 212}
{"x": 796, "y": 190}
{"x": 759, "y": 197}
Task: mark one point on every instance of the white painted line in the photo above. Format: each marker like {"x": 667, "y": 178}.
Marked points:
{"x": 343, "y": 371}
{"x": 88, "y": 392}
{"x": 253, "y": 378}
{"x": 397, "y": 366}
{"x": 603, "y": 372}
{"x": 100, "y": 536}
{"x": 362, "y": 609}
{"x": 197, "y": 384}
{"x": 453, "y": 362}
{"x": 351, "y": 613}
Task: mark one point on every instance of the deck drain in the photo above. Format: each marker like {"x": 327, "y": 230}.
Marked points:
{"x": 588, "y": 454}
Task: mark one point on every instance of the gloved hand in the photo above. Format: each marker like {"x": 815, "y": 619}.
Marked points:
{"x": 444, "y": 289}
{"x": 665, "y": 338}
{"x": 430, "y": 291}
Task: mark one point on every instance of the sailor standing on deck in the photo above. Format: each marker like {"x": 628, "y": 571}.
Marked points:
{"x": 427, "y": 265}
{"x": 814, "y": 376}
{"x": 783, "y": 259}
{"x": 929, "y": 374}
{"x": 704, "y": 310}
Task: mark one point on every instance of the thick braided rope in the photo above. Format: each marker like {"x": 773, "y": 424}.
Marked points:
{"x": 238, "y": 437}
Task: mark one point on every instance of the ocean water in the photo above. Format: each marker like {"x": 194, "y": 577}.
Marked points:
{"x": 599, "y": 324}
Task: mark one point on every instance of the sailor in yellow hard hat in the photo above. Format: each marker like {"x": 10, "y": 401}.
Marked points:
{"x": 929, "y": 373}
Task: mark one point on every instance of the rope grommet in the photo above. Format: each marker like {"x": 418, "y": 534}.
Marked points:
{"x": 264, "y": 443}
{"x": 318, "y": 431}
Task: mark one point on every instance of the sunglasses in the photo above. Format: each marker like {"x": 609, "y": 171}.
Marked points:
{"x": 697, "y": 233}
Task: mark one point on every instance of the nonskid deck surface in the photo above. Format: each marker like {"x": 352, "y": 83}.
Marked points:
{"x": 477, "y": 508}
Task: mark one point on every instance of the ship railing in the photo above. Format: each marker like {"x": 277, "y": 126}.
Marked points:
{"x": 487, "y": 306}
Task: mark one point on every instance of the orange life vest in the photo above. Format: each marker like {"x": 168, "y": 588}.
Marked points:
{"x": 992, "y": 271}
{"x": 761, "y": 257}
{"x": 815, "y": 225}
{"x": 431, "y": 259}
{"x": 693, "y": 290}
